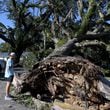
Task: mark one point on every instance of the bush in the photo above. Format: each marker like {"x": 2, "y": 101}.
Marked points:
{"x": 28, "y": 60}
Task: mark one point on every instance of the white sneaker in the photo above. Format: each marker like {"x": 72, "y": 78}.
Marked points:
{"x": 8, "y": 98}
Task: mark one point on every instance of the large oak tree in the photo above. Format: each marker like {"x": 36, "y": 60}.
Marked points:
{"x": 76, "y": 21}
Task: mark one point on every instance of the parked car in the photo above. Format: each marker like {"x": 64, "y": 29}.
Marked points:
{"x": 2, "y": 65}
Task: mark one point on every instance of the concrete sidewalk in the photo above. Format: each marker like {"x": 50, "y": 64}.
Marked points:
{"x": 9, "y": 105}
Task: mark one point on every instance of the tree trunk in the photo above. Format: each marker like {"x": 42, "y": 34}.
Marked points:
{"x": 18, "y": 53}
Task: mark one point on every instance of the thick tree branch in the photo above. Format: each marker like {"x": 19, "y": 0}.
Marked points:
{"x": 91, "y": 44}
{"x": 68, "y": 47}
{"x": 7, "y": 40}
{"x": 86, "y": 20}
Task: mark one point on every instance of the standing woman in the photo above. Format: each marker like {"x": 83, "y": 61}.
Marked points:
{"x": 9, "y": 74}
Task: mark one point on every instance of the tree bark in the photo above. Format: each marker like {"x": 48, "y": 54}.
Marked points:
{"x": 66, "y": 49}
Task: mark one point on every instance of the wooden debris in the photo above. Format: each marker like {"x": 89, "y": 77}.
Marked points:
{"x": 73, "y": 78}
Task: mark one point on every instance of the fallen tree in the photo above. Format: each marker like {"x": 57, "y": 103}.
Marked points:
{"x": 71, "y": 79}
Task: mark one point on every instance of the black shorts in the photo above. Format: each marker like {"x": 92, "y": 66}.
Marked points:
{"x": 10, "y": 79}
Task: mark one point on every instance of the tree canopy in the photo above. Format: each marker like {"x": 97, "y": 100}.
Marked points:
{"x": 80, "y": 25}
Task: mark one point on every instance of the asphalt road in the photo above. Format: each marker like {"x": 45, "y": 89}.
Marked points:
{"x": 9, "y": 105}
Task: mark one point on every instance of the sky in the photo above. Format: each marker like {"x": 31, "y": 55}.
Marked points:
{"x": 5, "y": 21}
